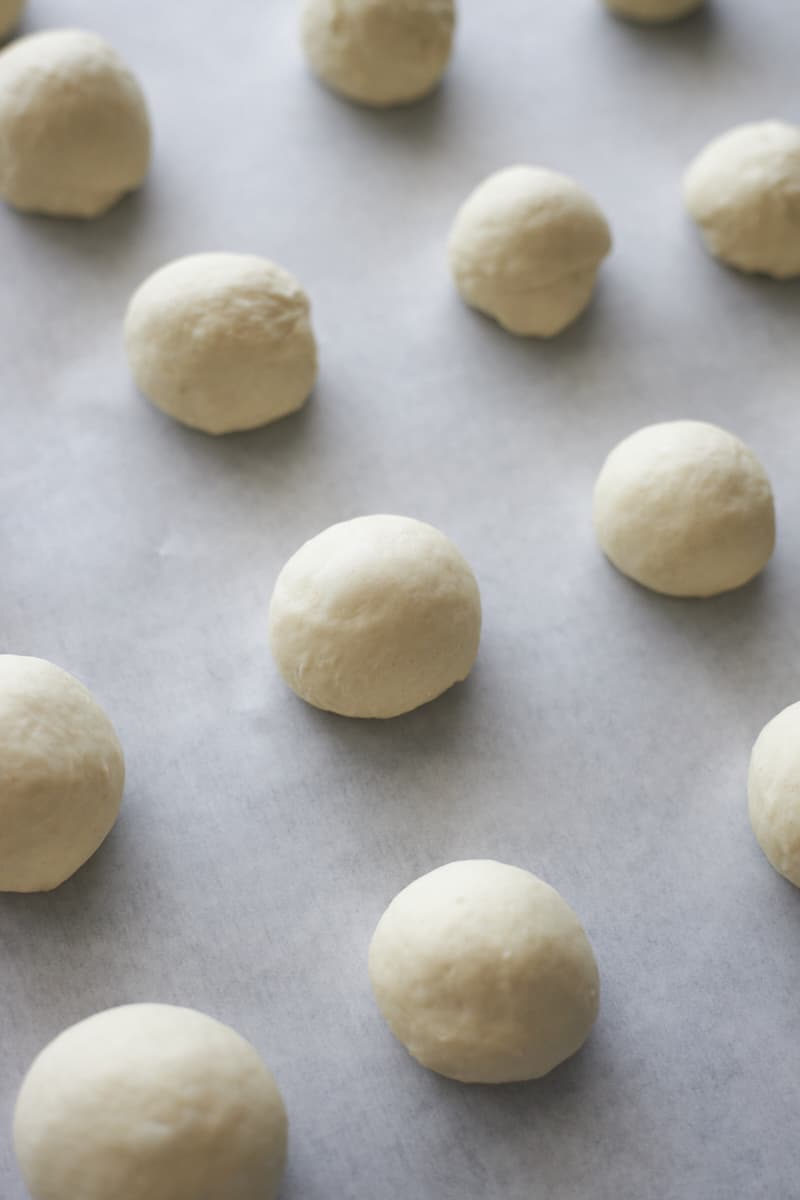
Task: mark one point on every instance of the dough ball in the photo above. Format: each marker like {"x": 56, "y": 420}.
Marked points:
{"x": 743, "y": 191}
{"x": 484, "y": 973}
{"x": 686, "y": 509}
{"x": 374, "y": 617}
{"x": 10, "y": 13}
{"x": 525, "y": 248}
{"x": 222, "y": 342}
{"x": 61, "y": 775}
{"x": 378, "y": 52}
{"x": 654, "y": 12}
{"x": 74, "y": 129}
{"x": 774, "y": 792}
{"x": 150, "y": 1102}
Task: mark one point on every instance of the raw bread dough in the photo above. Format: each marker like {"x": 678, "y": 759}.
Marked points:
{"x": 74, "y": 129}
{"x": 61, "y": 775}
{"x": 685, "y": 508}
{"x": 150, "y": 1102}
{"x": 374, "y": 617}
{"x": 378, "y": 52}
{"x": 525, "y": 248}
{"x": 222, "y": 342}
{"x": 743, "y": 190}
{"x": 774, "y": 792}
{"x": 653, "y": 12}
{"x": 484, "y": 973}
{"x": 10, "y": 13}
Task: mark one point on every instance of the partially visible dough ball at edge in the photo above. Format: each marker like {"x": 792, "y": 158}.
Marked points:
{"x": 773, "y": 788}
{"x": 10, "y": 14}
{"x": 74, "y": 126}
{"x": 377, "y": 52}
{"x": 654, "y": 12}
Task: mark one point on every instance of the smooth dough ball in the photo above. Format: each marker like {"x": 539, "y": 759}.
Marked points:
{"x": 150, "y": 1102}
{"x": 653, "y": 12}
{"x": 74, "y": 129}
{"x": 378, "y": 52}
{"x": 10, "y": 13}
{"x": 525, "y": 248}
{"x": 61, "y": 775}
{"x": 743, "y": 190}
{"x": 685, "y": 508}
{"x": 222, "y": 342}
{"x": 484, "y": 973}
{"x": 374, "y": 617}
{"x": 773, "y": 790}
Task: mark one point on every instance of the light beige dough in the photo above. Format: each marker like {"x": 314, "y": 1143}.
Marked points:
{"x": 62, "y": 775}
{"x": 743, "y": 190}
{"x": 653, "y": 12}
{"x": 484, "y": 973}
{"x": 378, "y": 52}
{"x": 74, "y": 128}
{"x": 525, "y": 248}
{"x": 10, "y": 14}
{"x": 685, "y": 508}
{"x": 222, "y": 342}
{"x": 150, "y": 1102}
{"x": 374, "y": 617}
{"x": 773, "y": 788}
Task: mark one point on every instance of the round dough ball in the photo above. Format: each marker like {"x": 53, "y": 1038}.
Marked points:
{"x": 484, "y": 973}
{"x": 743, "y": 190}
{"x": 654, "y": 12}
{"x": 374, "y": 617}
{"x": 773, "y": 788}
{"x": 74, "y": 129}
{"x": 222, "y": 342}
{"x": 61, "y": 775}
{"x": 378, "y": 52}
{"x": 150, "y": 1102}
{"x": 686, "y": 509}
{"x": 10, "y": 13}
{"x": 525, "y": 248}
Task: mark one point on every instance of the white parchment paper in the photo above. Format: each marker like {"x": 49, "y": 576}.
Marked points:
{"x": 604, "y": 736}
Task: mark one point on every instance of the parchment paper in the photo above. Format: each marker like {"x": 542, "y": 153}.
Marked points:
{"x": 603, "y": 739}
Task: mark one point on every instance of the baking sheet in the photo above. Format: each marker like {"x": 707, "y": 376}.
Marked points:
{"x": 603, "y": 738}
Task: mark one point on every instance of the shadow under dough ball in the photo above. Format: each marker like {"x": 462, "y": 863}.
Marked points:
{"x": 10, "y": 14}
{"x": 743, "y": 191}
{"x": 62, "y": 775}
{"x": 654, "y": 12}
{"x": 773, "y": 789}
{"x": 74, "y": 128}
{"x": 222, "y": 342}
{"x": 147, "y": 1102}
{"x": 374, "y": 617}
{"x": 685, "y": 509}
{"x": 525, "y": 248}
{"x": 378, "y": 52}
{"x": 484, "y": 973}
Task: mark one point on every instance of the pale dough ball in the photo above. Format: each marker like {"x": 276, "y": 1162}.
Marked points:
{"x": 685, "y": 508}
{"x": 654, "y": 11}
{"x": 484, "y": 973}
{"x": 10, "y": 13}
{"x": 74, "y": 129}
{"x": 743, "y": 190}
{"x": 61, "y": 775}
{"x": 773, "y": 789}
{"x": 150, "y": 1102}
{"x": 222, "y": 342}
{"x": 374, "y": 617}
{"x": 378, "y": 52}
{"x": 525, "y": 248}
